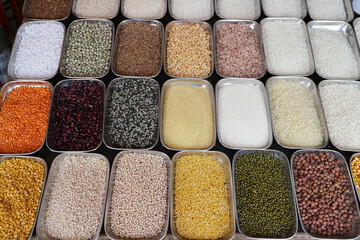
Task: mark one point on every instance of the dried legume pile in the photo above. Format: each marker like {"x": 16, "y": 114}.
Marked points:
{"x": 138, "y": 49}
{"x": 333, "y": 55}
{"x": 76, "y": 199}
{"x": 355, "y": 168}
{"x": 263, "y": 201}
{"x": 285, "y": 47}
{"x": 239, "y": 50}
{"x": 202, "y": 209}
{"x": 87, "y": 51}
{"x": 149, "y": 8}
{"x": 132, "y": 113}
{"x": 238, "y": 9}
{"x": 189, "y": 9}
{"x": 76, "y": 116}
{"x": 322, "y": 193}
{"x": 139, "y": 199}
{"x": 24, "y": 119}
{"x": 47, "y": 9}
{"x": 21, "y": 183}
{"x": 242, "y": 116}
{"x": 295, "y": 118}
{"x": 188, "y": 51}
{"x": 39, "y": 51}
{"x": 96, "y": 9}
{"x": 187, "y": 120}
{"x": 282, "y": 8}
{"x": 327, "y": 10}
{"x": 341, "y": 103}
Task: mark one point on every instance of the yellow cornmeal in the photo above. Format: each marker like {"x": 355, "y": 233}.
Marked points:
{"x": 21, "y": 182}
{"x": 201, "y": 200}
{"x": 187, "y": 121}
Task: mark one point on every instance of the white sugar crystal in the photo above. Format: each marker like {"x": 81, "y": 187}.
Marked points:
{"x": 149, "y": 9}
{"x": 283, "y": 8}
{"x": 238, "y": 9}
{"x": 97, "y": 8}
{"x": 327, "y": 9}
{"x": 190, "y": 9}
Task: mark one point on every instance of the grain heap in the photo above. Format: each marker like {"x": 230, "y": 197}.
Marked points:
{"x": 47, "y": 9}
{"x": 153, "y": 9}
{"x": 327, "y": 10}
{"x": 238, "y": 9}
{"x": 190, "y": 9}
{"x": 96, "y": 8}
{"x": 283, "y": 8}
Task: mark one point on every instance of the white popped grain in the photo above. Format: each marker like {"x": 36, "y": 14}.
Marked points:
{"x": 282, "y": 8}
{"x": 190, "y": 9}
{"x": 76, "y": 199}
{"x": 341, "y": 103}
{"x": 39, "y": 50}
{"x": 96, "y": 8}
{"x": 139, "y": 199}
{"x": 333, "y": 54}
{"x": 238, "y": 9}
{"x": 327, "y": 9}
{"x": 295, "y": 119}
{"x": 150, "y": 9}
{"x": 286, "y": 51}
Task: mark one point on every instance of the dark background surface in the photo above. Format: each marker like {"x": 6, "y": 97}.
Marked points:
{"x": 49, "y": 156}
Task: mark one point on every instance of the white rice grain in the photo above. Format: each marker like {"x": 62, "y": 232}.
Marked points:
{"x": 283, "y": 8}
{"x": 149, "y": 9}
{"x": 327, "y": 9}
{"x": 238, "y": 9}
{"x": 96, "y": 8}
{"x": 190, "y": 9}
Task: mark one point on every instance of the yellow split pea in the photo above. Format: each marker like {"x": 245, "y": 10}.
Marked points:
{"x": 202, "y": 209}
{"x": 355, "y": 167}
{"x": 21, "y": 182}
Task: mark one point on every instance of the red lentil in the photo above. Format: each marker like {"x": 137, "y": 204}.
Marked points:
{"x": 23, "y": 119}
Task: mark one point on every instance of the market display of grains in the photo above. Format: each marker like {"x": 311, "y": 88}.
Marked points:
{"x": 324, "y": 198}
{"x": 188, "y": 50}
{"x": 139, "y": 203}
{"x": 21, "y": 184}
{"x": 23, "y": 119}
{"x": 187, "y": 117}
{"x": 201, "y": 210}
{"x": 239, "y": 50}
{"x": 138, "y": 49}
{"x": 96, "y": 9}
{"x": 132, "y": 113}
{"x": 47, "y": 9}
{"x": 296, "y": 120}
{"x": 87, "y": 48}
{"x": 263, "y": 200}
{"x": 77, "y": 196}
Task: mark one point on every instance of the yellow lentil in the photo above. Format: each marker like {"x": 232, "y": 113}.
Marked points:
{"x": 355, "y": 167}
{"x": 21, "y": 182}
{"x": 188, "y": 51}
{"x": 202, "y": 209}
{"x": 187, "y": 119}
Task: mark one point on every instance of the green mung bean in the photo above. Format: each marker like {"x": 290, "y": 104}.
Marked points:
{"x": 262, "y": 196}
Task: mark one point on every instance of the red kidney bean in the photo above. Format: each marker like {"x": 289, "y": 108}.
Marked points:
{"x": 76, "y": 116}
{"x": 323, "y": 197}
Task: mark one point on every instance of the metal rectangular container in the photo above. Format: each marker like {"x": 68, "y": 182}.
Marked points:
{"x": 66, "y": 43}
{"x": 303, "y": 10}
{"x": 290, "y": 185}
{"x": 240, "y": 81}
{"x": 64, "y": 83}
{"x": 224, "y": 160}
{"x": 106, "y": 113}
{"x": 300, "y": 22}
{"x": 357, "y": 33}
{"x": 257, "y": 10}
{"x": 328, "y": 82}
{"x": 205, "y": 25}
{"x": 15, "y": 49}
{"x": 348, "y": 11}
{"x": 310, "y": 85}
{"x": 41, "y": 231}
{"x": 107, "y": 225}
{"x": 115, "y": 49}
{"x": 25, "y": 13}
{"x": 43, "y": 163}
{"x": 73, "y": 10}
{"x": 171, "y": 11}
{"x": 140, "y": 17}
{"x": 352, "y": 173}
{"x": 191, "y": 82}
{"x": 355, "y": 231}
{"x": 8, "y": 87}
{"x": 342, "y": 28}
{"x": 257, "y": 31}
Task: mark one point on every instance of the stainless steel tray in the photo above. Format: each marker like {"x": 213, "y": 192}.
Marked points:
{"x": 355, "y": 231}
{"x": 253, "y": 82}
{"x": 290, "y": 185}
{"x": 73, "y": 10}
{"x": 347, "y": 7}
{"x": 107, "y": 225}
{"x": 141, "y": 17}
{"x": 173, "y": 15}
{"x": 25, "y": 15}
{"x": 257, "y": 10}
{"x": 41, "y": 231}
{"x": 224, "y": 160}
{"x": 269, "y": 14}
